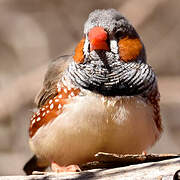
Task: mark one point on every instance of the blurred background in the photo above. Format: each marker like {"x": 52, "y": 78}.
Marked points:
{"x": 34, "y": 32}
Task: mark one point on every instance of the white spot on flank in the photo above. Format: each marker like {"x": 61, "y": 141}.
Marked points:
{"x": 59, "y": 89}
{"x": 47, "y": 106}
{"x": 34, "y": 116}
{"x": 33, "y": 121}
{"x": 69, "y": 88}
{"x": 72, "y": 94}
{"x": 38, "y": 119}
{"x": 60, "y": 96}
{"x": 56, "y": 100}
{"x": 38, "y": 113}
{"x": 43, "y": 109}
{"x": 51, "y": 106}
{"x": 65, "y": 90}
{"x": 50, "y": 101}
{"x": 47, "y": 111}
{"x": 43, "y": 114}
{"x": 59, "y": 106}
{"x": 58, "y": 85}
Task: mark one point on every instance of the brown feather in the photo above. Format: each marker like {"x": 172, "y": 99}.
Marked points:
{"x": 52, "y": 76}
{"x": 154, "y": 99}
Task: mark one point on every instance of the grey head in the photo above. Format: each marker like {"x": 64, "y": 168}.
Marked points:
{"x": 110, "y": 59}
{"x": 111, "y": 20}
{"x": 117, "y": 28}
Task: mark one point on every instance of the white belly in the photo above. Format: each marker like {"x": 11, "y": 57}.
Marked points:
{"x": 92, "y": 124}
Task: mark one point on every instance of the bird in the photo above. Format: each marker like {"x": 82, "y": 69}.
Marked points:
{"x": 103, "y": 98}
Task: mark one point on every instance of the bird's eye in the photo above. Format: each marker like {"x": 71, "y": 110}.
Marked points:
{"x": 79, "y": 55}
{"x": 129, "y": 48}
{"x": 118, "y": 35}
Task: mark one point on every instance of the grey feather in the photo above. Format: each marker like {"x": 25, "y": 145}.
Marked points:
{"x": 52, "y": 76}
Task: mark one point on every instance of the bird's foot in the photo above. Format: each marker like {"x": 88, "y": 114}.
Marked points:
{"x": 71, "y": 168}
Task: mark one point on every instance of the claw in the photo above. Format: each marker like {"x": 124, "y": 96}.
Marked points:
{"x": 71, "y": 168}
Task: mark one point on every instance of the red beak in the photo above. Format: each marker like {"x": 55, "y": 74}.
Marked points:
{"x": 97, "y": 37}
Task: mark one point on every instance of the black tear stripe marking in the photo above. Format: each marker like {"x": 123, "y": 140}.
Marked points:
{"x": 125, "y": 79}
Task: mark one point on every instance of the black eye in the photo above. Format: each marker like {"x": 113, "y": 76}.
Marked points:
{"x": 119, "y": 34}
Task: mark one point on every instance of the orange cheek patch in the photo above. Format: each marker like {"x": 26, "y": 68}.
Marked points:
{"x": 129, "y": 48}
{"x": 79, "y": 55}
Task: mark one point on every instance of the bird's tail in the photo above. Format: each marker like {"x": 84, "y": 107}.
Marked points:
{"x": 33, "y": 165}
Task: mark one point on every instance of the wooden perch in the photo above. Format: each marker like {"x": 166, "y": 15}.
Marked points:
{"x": 107, "y": 160}
{"x": 164, "y": 169}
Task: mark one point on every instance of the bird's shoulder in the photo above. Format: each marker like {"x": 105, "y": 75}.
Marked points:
{"x": 53, "y": 75}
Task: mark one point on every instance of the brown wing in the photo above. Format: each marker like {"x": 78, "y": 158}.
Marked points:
{"x": 154, "y": 98}
{"x": 52, "y": 76}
